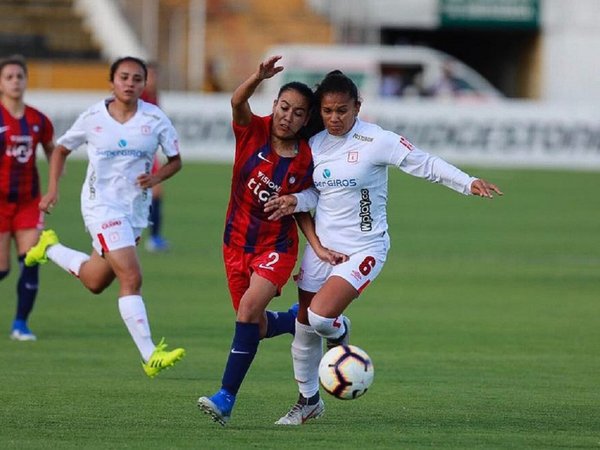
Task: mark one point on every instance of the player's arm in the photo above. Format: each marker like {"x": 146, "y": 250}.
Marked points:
{"x": 433, "y": 168}
{"x": 285, "y": 205}
{"x": 48, "y": 148}
{"x": 57, "y": 167}
{"x": 242, "y": 114}
{"x": 167, "y": 170}
{"x": 307, "y": 225}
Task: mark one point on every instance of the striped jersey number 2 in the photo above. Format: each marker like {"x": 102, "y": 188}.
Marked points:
{"x": 273, "y": 258}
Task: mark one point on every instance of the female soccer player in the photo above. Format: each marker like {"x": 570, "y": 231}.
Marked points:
{"x": 22, "y": 128}
{"x": 122, "y": 134}
{"x": 270, "y": 160}
{"x": 350, "y": 195}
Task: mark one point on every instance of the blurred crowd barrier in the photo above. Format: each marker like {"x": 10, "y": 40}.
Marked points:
{"x": 503, "y": 134}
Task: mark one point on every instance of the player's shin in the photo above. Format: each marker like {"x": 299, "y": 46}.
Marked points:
{"x": 241, "y": 355}
{"x": 27, "y": 288}
{"x": 67, "y": 258}
{"x": 133, "y": 313}
{"x": 307, "y": 350}
{"x": 281, "y": 322}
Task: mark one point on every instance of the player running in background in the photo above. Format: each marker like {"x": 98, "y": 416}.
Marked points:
{"x": 22, "y": 128}
{"x": 122, "y": 134}
{"x": 155, "y": 242}
{"x": 350, "y": 195}
{"x": 270, "y": 159}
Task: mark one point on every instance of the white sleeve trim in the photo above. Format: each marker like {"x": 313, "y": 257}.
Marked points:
{"x": 307, "y": 200}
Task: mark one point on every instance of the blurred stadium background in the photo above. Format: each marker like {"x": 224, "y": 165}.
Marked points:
{"x": 539, "y": 54}
{"x": 536, "y": 49}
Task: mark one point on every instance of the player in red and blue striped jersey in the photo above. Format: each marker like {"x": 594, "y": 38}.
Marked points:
{"x": 22, "y": 128}
{"x": 271, "y": 159}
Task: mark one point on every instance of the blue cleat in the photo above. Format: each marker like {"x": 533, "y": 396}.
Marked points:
{"x": 21, "y": 332}
{"x": 218, "y": 406}
{"x": 157, "y": 244}
{"x": 294, "y": 309}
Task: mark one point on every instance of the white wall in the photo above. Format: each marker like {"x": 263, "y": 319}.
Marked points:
{"x": 571, "y": 51}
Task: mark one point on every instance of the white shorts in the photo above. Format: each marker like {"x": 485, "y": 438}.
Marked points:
{"x": 360, "y": 270}
{"x": 113, "y": 234}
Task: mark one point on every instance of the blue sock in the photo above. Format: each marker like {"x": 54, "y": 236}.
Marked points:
{"x": 27, "y": 288}
{"x": 243, "y": 349}
{"x": 155, "y": 216}
{"x": 281, "y": 322}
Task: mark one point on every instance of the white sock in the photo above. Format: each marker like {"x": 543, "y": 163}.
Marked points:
{"x": 307, "y": 350}
{"x": 67, "y": 258}
{"x": 133, "y": 312}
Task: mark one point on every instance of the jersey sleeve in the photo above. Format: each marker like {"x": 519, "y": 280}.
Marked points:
{"x": 434, "y": 169}
{"x": 307, "y": 199}
{"x": 392, "y": 149}
{"x": 248, "y": 137}
{"x": 75, "y": 136}
{"x": 168, "y": 138}
{"x": 47, "y": 130}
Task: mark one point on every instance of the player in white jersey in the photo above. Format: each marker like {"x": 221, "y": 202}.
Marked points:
{"x": 350, "y": 196}
{"x": 121, "y": 134}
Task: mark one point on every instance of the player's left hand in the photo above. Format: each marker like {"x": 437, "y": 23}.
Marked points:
{"x": 484, "y": 188}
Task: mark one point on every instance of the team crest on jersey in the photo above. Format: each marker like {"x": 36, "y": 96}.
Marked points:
{"x": 122, "y": 143}
{"x": 291, "y": 178}
{"x": 145, "y": 130}
{"x": 352, "y": 157}
{"x": 98, "y": 129}
{"x": 36, "y": 128}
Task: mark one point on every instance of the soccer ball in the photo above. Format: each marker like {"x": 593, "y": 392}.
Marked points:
{"x": 346, "y": 372}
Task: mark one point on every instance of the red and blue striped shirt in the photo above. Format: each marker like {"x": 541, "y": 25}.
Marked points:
{"x": 19, "y": 138}
{"x": 259, "y": 173}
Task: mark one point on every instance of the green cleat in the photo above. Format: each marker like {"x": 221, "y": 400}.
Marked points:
{"x": 162, "y": 359}
{"x": 37, "y": 253}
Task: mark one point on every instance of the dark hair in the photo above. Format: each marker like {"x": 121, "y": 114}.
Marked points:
{"x": 115, "y": 65}
{"x": 337, "y": 82}
{"x": 306, "y": 131}
{"x": 302, "y": 89}
{"x": 17, "y": 60}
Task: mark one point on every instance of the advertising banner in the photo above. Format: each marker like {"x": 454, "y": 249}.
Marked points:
{"x": 498, "y": 134}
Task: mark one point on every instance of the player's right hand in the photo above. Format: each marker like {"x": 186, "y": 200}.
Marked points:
{"x": 280, "y": 206}
{"x": 48, "y": 202}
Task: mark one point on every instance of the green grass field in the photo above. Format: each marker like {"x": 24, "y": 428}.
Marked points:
{"x": 483, "y": 328}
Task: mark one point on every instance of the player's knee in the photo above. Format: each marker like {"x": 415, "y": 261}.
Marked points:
{"x": 4, "y": 273}
{"x": 326, "y": 327}
{"x": 130, "y": 281}
{"x": 95, "y": 289}
{"x": 249, "y": 313}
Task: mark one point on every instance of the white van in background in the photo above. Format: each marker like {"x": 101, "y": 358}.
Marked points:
{"x": 383, "y": 71}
